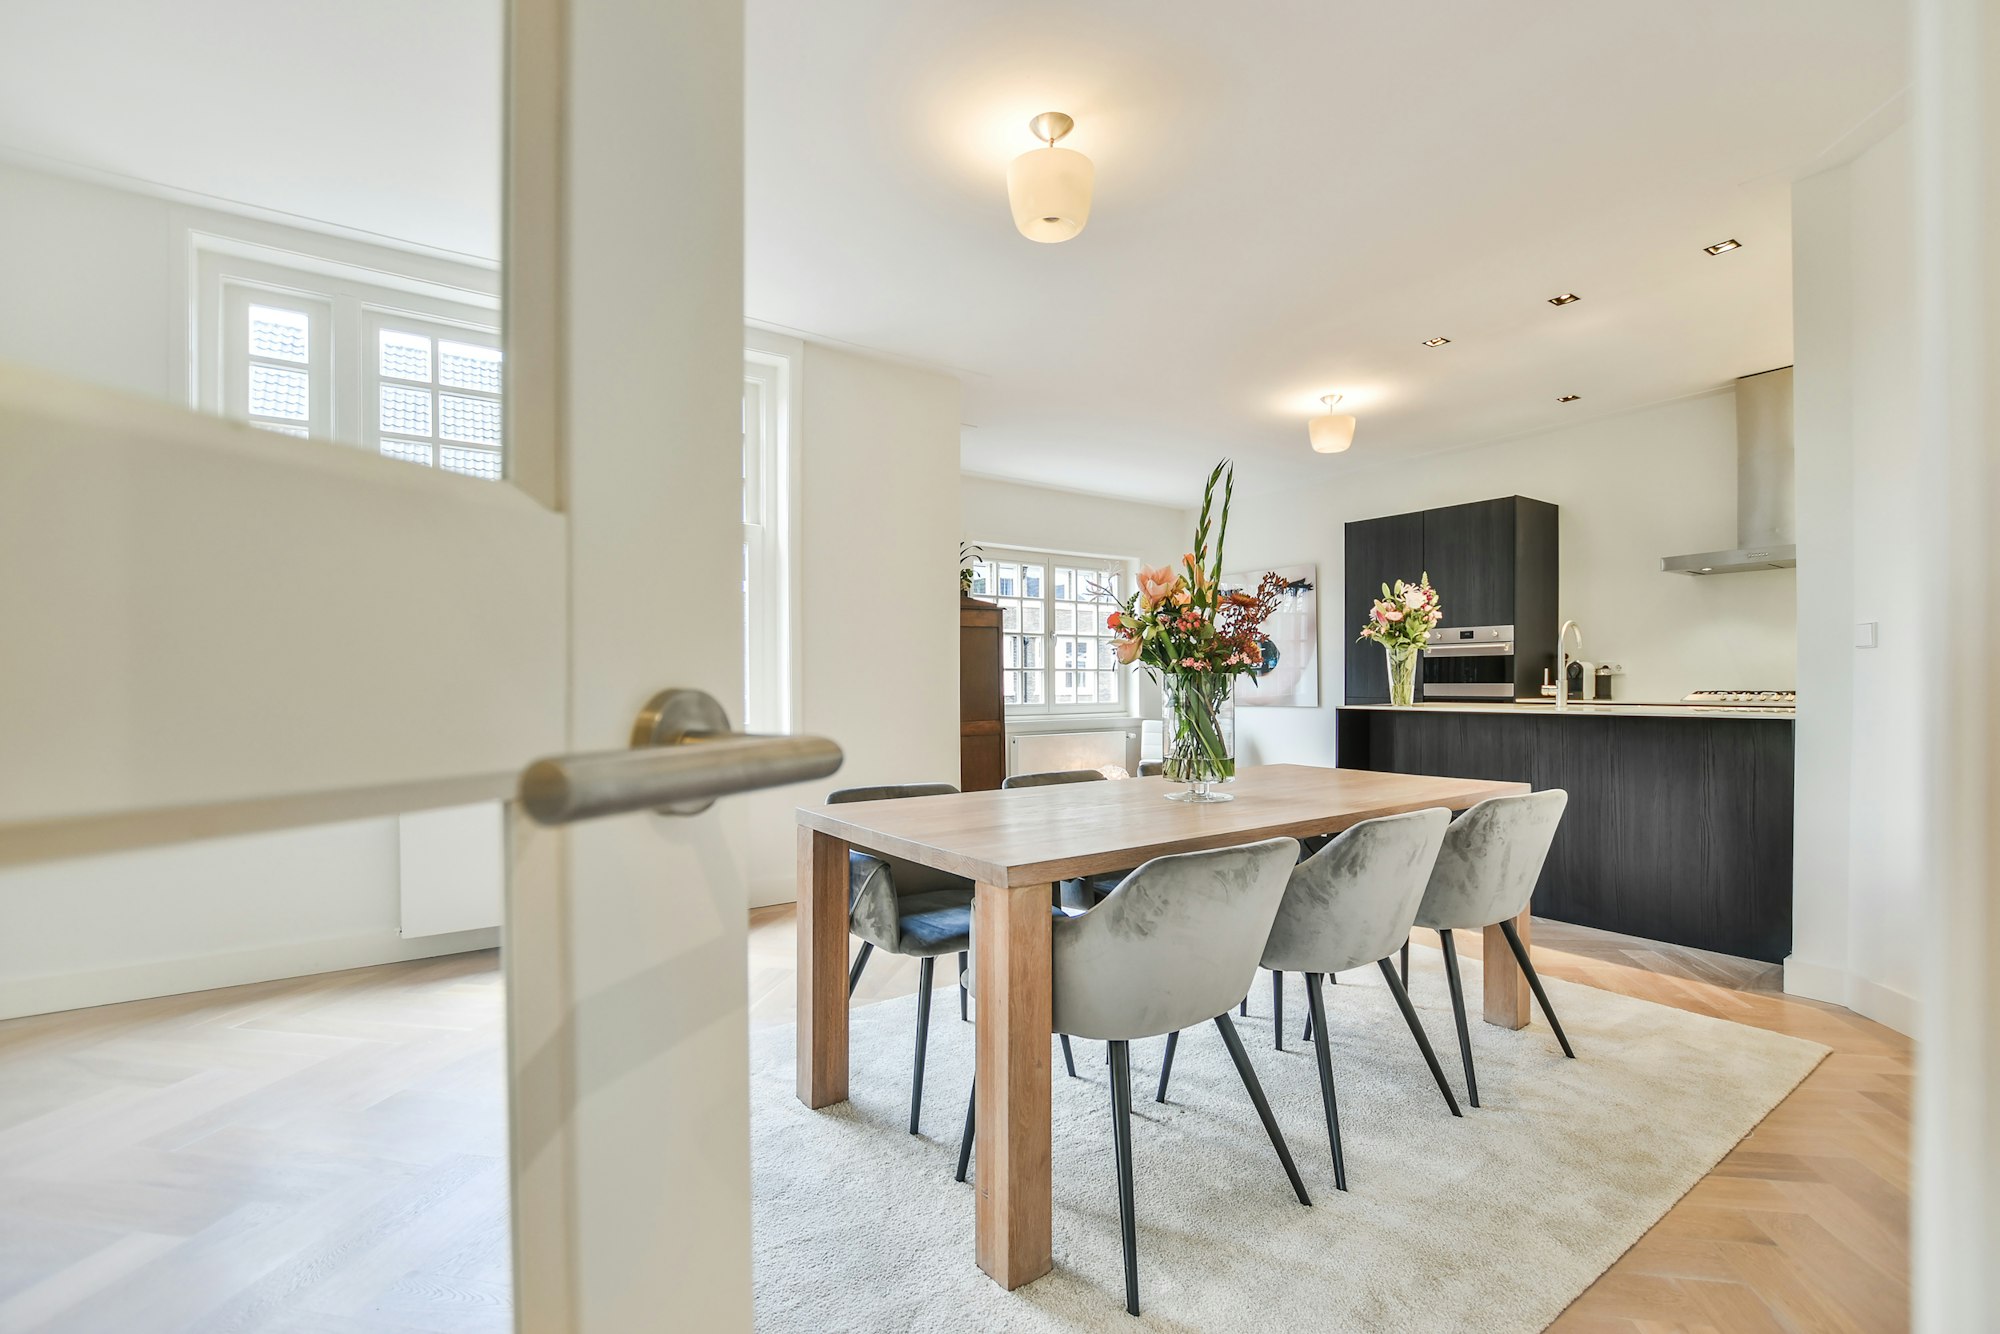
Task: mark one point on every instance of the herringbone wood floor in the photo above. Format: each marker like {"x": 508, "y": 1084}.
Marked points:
{"x": 1803, "y": 1228}
{"x": 326, "y": 1156}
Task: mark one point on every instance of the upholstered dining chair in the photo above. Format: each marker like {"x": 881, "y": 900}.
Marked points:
{"x": 1350, "y": 904}
{"x": 1052, "y": 778}
{"x": 1173, "y": 946}
{"x": 901, "y": 907}
{"x": 1074, "y": 895}
{"x": 1485, "y": 874}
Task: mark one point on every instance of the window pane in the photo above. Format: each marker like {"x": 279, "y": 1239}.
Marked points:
{"x": 1065, "y": 687}
{"x": 475, "y": 420}
{"x": 1010, "y": 617}
{"x": 1107, "y": 687}
{"x": 1031, "y": 576}
{"x": 1065, "y": 582}
{"x": 1065, "y": 619}
{"x": 1032, "y": 685}
{"x": 472, "y": 462}
{"x": 409, "y": 450}
{"x": 1008, "y": 580}
{"x": 406, "y": 356}
{"x": 468, "y": 366}
{"x": 1012, "y": 683}
{"x": 1034, "y": 651}
{"x": 982, "y": 580}
{"x": 406, "y": 411}
{"x": 277, "y": 391}
{"x": 278, "y": 333}
{"x": 1033, "y": 617}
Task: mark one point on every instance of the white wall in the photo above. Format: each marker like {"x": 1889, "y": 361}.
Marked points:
{"x": 877, "y": 657}
{"x": 1045, "y": 519}
{"x": 1631, "y": 488}
{"x": 1862, "y": 508}
{"x": 92, "y": 286}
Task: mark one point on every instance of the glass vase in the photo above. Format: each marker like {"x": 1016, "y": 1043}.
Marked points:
{"x": 1200, "y": 735}
{"x": 1402, "y": 674}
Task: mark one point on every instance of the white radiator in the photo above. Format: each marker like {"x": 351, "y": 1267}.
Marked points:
{"x": 1046, "y": 752}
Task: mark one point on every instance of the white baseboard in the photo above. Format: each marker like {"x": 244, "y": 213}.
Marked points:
{"x": 51, "y": 992}
{"x": 770, "y": 893}
{"x": 1865, "y": 996}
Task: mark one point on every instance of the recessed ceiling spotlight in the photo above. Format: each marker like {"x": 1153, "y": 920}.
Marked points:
{"x": 1569, "y": 398}
{"x": 1436, "y": 342}
{"x": 1723, "y": 247}
{"x": 1565, "y": 299}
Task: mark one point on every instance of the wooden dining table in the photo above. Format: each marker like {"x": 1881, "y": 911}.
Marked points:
{"x": 1015, "y": 845}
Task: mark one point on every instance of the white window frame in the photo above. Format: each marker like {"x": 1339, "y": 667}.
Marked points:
{"x": 346, "y": 305}
{"x": 772, "y": 391}
{"x": 1127, "y": 705}
{"x": 374, "y": 319}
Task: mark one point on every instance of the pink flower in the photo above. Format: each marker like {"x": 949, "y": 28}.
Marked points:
{"x": 1182, "y": 597}
{"x": 1127, "y": 650}
{"x": 1392, "y": 615}
{"x": 1155, "y": 586}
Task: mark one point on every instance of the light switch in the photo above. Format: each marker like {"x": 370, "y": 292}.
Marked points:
{"x": 1864, "y": 634}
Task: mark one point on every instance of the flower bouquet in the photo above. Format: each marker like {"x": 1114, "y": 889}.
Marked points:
{"x": 1401, "y": 622}
{"x": 1196, "y": 640}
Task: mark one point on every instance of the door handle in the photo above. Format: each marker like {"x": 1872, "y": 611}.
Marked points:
{"x": 683, "y": 756}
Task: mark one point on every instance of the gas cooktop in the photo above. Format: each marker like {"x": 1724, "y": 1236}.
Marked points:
{"x": 1769, "y": 699}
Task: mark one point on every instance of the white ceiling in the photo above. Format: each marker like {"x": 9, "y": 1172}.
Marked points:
{"x": 1291, "y": 196}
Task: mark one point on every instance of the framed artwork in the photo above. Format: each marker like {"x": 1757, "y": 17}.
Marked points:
{"x": 1289, "y": 678}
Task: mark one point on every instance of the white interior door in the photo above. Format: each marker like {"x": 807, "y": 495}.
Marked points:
{"x": 212, "y": 629}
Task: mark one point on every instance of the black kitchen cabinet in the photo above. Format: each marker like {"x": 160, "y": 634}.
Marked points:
{"x": 1677, "y": 829}
{"x": 1493, "y": 562}
{"x": 1469, "y": 552}
{"x": 1379, "y": 551}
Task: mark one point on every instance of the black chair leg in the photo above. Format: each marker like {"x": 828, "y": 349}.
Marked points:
{"x": 1167, "y": 1065}
{"x": 926, "y": 970}
{"x": 1243, "y": 1006}
{"x": 1406, "y": 961}
{"x": 860, "y": 962}
{"x": 962, "y": 1016}
{"x": 1316, "y": 1006}
{"x": 1307, "y": 1035}
{"x": 1248, "y": 1074}
{"x": 965, "y": 1144}
{"x": 1458, "y": 1017}
{"x": 1121, "y": 1140}
{"x": 1277, "y": 1010}
{"x": 1069, "y": 1057}
{"x": 1535, "y": 983}
{"x": 1417, "y": 1032}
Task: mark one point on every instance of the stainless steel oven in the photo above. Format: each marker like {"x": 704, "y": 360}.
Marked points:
{"x": 1469, "y": 662}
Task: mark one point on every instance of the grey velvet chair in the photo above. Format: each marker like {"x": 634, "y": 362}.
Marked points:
{"x": 1171, "y": 947}
{"x": 1151, "y": 768}
{"x": 1350, "y": 904}
{"x": 1485, "y": 875}
{"x": 1052, "y": 778}
{"x": 902, "y": 907}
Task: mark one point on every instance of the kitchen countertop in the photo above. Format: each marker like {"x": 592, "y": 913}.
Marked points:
{"x": 1582, "y": 709}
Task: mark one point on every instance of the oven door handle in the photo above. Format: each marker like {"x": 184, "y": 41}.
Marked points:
{"x": 1487, "y": 649}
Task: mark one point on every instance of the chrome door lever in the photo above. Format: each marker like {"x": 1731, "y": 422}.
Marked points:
{"x": 683, "y": 756}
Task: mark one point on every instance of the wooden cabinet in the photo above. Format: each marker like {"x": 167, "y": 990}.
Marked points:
{"x": 1677, "y": 829}
{"x": 982, "y": 720}
{"x": 1379, "y": 551}
{"x": 1493, "y": 562}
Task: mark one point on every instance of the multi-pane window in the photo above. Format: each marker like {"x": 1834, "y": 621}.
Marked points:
{"x": 436, "y": 394}
{"x": 1055, "y": 647}
{"x": 411, "y": 375}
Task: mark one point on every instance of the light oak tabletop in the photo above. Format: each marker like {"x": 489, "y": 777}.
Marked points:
{"x": 1036, "y": 835}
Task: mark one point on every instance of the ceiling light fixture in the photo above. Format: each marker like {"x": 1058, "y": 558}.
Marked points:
{"x": 1436, "y": 342}
{"x": 1723, "y": 247}
{"x": 1333, "y": 433}
{"x": 1565, "y": 299}
{"x": 1049, "y": 188}
{"x": 1568, "y": 398}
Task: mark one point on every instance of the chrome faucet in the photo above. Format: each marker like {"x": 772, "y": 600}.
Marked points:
{"x": 1562, "y": 662}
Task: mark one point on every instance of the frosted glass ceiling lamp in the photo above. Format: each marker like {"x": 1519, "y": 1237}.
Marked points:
{"x": 1049, "y": 188}
{"x": 1333, "y": 433}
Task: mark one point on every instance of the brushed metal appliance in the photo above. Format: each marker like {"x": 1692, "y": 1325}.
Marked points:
{"x": 1469, "y": 662}
{"x": 1766, "y": 533}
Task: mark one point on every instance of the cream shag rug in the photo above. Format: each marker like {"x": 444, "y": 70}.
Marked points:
{"x": 1493, "y": 1222}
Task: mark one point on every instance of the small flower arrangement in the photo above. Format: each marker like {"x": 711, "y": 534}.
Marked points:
{"x": 1197, "y": 639}
{"x": 1405, "y": 614}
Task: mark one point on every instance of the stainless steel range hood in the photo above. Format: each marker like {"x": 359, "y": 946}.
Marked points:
{"x": 1764, "y": 526}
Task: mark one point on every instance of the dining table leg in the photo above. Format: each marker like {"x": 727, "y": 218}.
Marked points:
{"x": 1010, "y": 941}
{"x": 822, "y": 973}
{"x": 1507, "y": 997}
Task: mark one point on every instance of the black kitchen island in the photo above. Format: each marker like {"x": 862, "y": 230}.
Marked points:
{"x": 1679, "y": 826}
